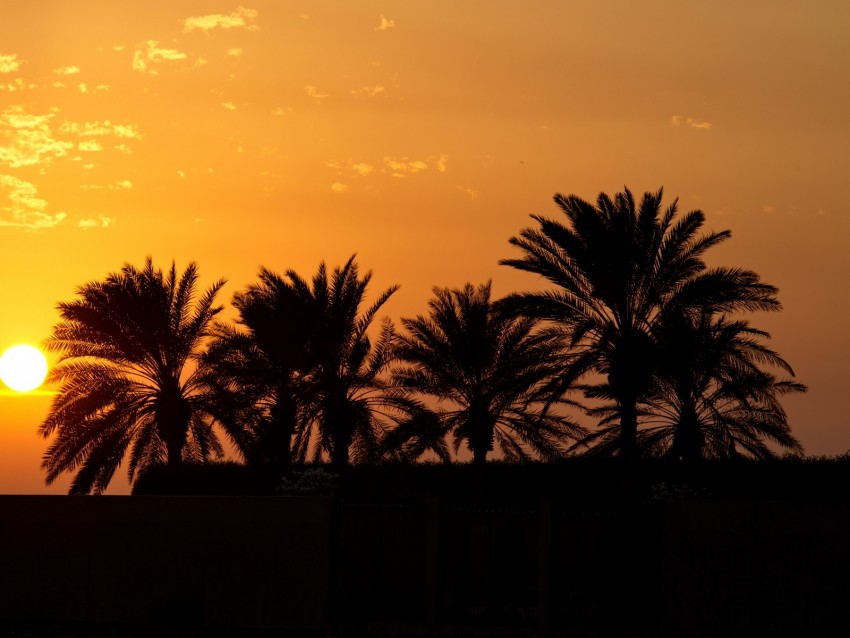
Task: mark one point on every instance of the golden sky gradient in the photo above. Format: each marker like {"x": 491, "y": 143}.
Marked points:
{"x": 420, "y": 136}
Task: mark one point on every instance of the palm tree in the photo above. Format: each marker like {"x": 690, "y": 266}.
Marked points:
{"x": 350, "y": 396}
{"x": 258, "y": 369}
{"x": 713, "y": 399}
{"x": 128, "y": 385}
{"x": 618, "y": 268}
{"x": 489, "y": 368}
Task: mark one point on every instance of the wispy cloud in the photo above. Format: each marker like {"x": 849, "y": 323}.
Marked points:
{"x": 9, "y": 62}
{"x": 339, "y": 187}
{"x": 681, "y": 120}
{"x": 67, "y": 70}
{"x": 234, "y": 52}
{"x": 17, "y": 85}
{"x": 385, "y": 24}
{"x": 27, "y": 139}
{"x": 89, "y": 146}
{"x": 389, "y": 165}
{"x": 97, "y": 129}
{"x": 230, "y": 106}
{"x": 124, "y": 184}
{"x": 314, "y": 93}
{"x": 18, "y": 118}
{"x": 369, "y": 91}
{"x": 241, "y": 17}
{"x": 469, "y": 192}
{"x": 362, "y": 168}
{"x": 402, "y": 166}
{"x": 101, "y": 221}
{"x": 25, "y": 208}
{"x": 145, "y": 58}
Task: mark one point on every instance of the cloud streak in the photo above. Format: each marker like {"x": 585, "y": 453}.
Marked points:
{"x": 152, "y": 54}
{"x": 680, "y": 120}
{"x": 101, "y": 221}
{"x": 9, "y": 63}
{"x": 26, "y": 208}
{"x": 314, "y": 93}
{"x": 369, "y": 91}
{"x": 97, "y": 129}
{"x": 385, "y": 24}
{"x": 16, "y": 85}
{"x": 241, "y": 18}
{"x": 27, "y": 139}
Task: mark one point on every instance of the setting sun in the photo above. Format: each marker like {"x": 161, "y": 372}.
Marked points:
{"x": 23, "y": 368}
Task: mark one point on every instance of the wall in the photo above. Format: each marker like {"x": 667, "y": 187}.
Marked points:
{"x": 211, "y": 561}
{"x": 695, "y": 568}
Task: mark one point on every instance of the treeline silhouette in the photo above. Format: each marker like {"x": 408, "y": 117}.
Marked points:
{"x": 635, "y": 331}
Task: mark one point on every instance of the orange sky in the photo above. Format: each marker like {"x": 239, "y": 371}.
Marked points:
{"x": 419, "y": 135}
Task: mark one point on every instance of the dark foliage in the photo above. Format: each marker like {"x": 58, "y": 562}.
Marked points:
{"x": 350, "y": 399}
{"x": 487, "y": 371}
{"x": 259, "y": 369}
{"x": 714, "y": 395}
{"x": 128, "y": 377}
{"x": 619, "y": 268}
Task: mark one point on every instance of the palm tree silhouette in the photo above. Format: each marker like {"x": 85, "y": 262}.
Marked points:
{"x": 259, "y": 369}
{"x": 126, "y": 346}
{"x": 618, "y": 268}
{"x": 712, "y": 398}
{"x": 489, "y": 368}
{"x": 350, "y": 395}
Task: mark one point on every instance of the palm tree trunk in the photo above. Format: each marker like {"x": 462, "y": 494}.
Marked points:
{"x": 479, "y": 456}
{"x": 175, "y": 453}
{"x": 628, "y": 450}
{"x": 284, "y": 414}
{"x": 340, "y": 455}
{"x": 628, "y": 430}
{"x": 481, "y": 433}
{"x": 687, "y": 439}
{"x": 342, "y": 436}
{"x": 341, "y": 422}
{"x": 173, "y": 415}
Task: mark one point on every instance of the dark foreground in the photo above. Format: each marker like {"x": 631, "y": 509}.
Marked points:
{"x": 565, "y": 550}
{"x": 421, "y": 566}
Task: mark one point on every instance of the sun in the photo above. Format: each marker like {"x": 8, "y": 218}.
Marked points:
{"x": 23, "y": 368}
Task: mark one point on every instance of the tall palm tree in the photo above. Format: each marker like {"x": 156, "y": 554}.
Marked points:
{"x": 127, "y": 347}
{"x": 259, "y": 369}
{"x": 713, "y": 397}
{"x": 350, "y": 395}
{"x": 487, "y": 369}
{"x": 618, "y": 268}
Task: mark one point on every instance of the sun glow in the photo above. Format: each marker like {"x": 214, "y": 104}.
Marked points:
{"x": 23, "y": 368}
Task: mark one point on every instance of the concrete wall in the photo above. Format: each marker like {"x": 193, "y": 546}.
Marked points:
{"x": 195, "y": 561}
{"x": 698, "y": 569}
{"x": 756, "y": 569}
